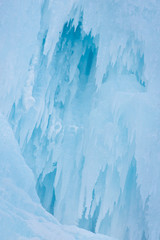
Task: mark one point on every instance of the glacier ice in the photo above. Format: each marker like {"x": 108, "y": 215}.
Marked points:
{"x": 80, "y": 90}
{"x": 21, "y": 215}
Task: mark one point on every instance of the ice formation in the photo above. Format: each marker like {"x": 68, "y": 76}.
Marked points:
{"x": 80, "y": 94}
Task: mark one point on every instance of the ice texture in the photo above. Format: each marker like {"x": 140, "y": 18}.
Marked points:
{"x": 80, "y": 90}
{"x": 21, "y": 214}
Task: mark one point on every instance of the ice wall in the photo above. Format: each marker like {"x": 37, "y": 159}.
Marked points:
{"x": 86, "y": 114}
{"x": 21, "y": 215}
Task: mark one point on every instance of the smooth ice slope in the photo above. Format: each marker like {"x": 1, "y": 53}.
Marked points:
{"x": 86, "y": 110}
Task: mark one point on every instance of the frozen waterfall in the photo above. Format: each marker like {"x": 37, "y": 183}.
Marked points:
{"x": 80, "y": 119}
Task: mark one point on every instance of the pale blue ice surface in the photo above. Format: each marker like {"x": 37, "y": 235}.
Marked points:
{"x": 79, "y": 124}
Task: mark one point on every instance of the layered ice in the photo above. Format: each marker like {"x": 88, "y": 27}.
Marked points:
{"x": 81, "y": 93}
